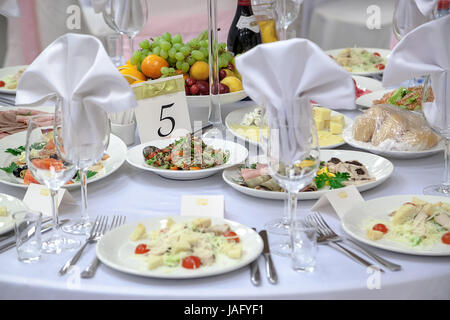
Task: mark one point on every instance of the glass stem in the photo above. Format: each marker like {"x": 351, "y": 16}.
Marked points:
{"x": 215, "y": 115}
{"x": 446, "y": 184}
{"x": 292, "y": 206}
{"x": 54, "y": 196}
{"x": 83, "y": 182}
{"x": 131, "y": 45}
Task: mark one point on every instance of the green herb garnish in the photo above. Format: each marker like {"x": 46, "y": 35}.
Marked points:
{"x": 38, "y": 145}
{"x": 11, "y": 168}
{"x": 333, "y": 182}
{"x": 89, "y": 174}
{"x": 16, "y": 151}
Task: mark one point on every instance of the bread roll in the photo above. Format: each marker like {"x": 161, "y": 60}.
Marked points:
{"x": 363, "y": 129}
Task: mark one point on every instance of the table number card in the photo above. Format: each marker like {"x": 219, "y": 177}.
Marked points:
{"x": 38, "y": 198}
{"x": 203, "y": 205}
{"x": 340, "y": 199}
{"x": 162, "y": 110}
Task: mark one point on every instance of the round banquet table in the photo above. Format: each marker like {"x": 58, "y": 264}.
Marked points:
{"x": 349, "y": 23}
{"x": 140, "y": 194}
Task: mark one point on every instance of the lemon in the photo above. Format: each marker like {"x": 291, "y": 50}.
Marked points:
{"x": 131, "y": 73}
{"x": 233, "y": 83}
{"x": 200, "y": 70}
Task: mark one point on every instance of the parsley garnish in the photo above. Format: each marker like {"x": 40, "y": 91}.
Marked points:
{"x": 11, "y": 168}
{"x": 15, "y": 152}
{"x": 333, "y": 182}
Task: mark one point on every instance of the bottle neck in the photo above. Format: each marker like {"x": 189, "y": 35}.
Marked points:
{"x": 244, "y": 6}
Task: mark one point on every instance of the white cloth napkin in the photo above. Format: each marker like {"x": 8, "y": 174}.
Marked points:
{"x": 275, "y": 73}
{"x": 425, "y": 50}
{"x": 412, "y": 13}
{"x": 77, "y": 70}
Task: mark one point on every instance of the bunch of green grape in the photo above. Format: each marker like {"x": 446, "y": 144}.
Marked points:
{"x": 179, "y": 55}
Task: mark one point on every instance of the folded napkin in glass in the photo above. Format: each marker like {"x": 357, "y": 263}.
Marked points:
{"x": 410, "y": 14}
{"x": 425, "y": 51}
{"x": 83, "y": 80}
{"x": 275, "y": 74}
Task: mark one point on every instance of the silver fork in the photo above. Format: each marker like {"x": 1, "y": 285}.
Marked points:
{"x": 335, "y": 238}
{"x": 99, "y": 223}
{"x": 89, "y": 272}
{"x": 327, "y": 236}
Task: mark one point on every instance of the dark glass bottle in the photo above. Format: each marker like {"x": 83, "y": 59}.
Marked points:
{"x": 244, "y": 32}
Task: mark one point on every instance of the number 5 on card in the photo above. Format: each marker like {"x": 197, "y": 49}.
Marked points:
{"x": 162, "y": 109}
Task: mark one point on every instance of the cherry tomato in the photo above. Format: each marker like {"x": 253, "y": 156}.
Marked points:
{"x": 232, "y": 235}
{"x": 2, "y": 83}
{"x": 380, "y": 227}
{"x": 380, "y": 66}
{"x": 151, "y": 155}
{"x": 446, "y": 238}
{"x": 376, "y": 54}
{"x": 413, "y": 204}
{"x": 141, "y": 249}
{"x": 191, "y": 262}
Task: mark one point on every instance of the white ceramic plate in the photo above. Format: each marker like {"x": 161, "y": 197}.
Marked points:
{"x": 116, "y": 149}
{"x": 116, "y": 251}
{"x": 355, "y": 220}
{"x": 366, "y": 100}
{"x": 366, "y": 83}
{"x": 203, "y": 101}
{"x": 384, "y": 53}
{"x": 9, "y": 71}
{"x": 235, "y": 117}
{"x": 13, "y": 205}
{"x": 348, "y": 137}
{"x": 378, "y": 167}
{"x": 238, "y": 154}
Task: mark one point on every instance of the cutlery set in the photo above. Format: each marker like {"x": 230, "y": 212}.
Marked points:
{"x": 98, "y": 229}
{"x": 326, "y": 236}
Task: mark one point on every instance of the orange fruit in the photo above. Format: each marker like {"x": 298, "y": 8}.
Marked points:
{"x": 152, "y": 64}
{"x": 131, "y": 73}
{"x": 200, "y": 70}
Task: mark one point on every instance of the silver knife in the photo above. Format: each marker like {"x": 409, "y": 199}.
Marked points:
{"x": 45, "y": 229}
{"x": 254, "y": 271}
{"x": 270, "y": 268}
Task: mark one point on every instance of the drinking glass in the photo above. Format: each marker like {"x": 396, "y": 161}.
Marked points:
{"x": 215, "y": 115}
{"x": 126, "y": 17}
{"x": 304, "y": 245}
{"x": 45, "y": 163}
{"x": 114, "y": 47}
{"x": 84, "y": 153}
{"x": 287, "y": 12}
{"x": 27, "y": 227}
{"x": 439, "y": 121}
{"x": 292, "y": 152}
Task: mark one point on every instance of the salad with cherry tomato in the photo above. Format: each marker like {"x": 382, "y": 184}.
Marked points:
{"x": 187, "y": 245}
{"x": 360, "y": 60}
{"x": 416, "y": 223}
{"x": 186, "y": 153}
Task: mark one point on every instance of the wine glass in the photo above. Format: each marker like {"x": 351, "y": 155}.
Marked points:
{"x": 127, "y": 17}
{"x": 45, "y": 163}
{"x": 437, "y": 114}
{"x": 287, "y": 12}
{"x": 292, "y": 151}
{"x": 85, "y": 152}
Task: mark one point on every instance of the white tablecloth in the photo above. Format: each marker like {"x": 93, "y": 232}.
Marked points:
{"x": 141, "y": 194}
{"x": 345, "y": 23}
